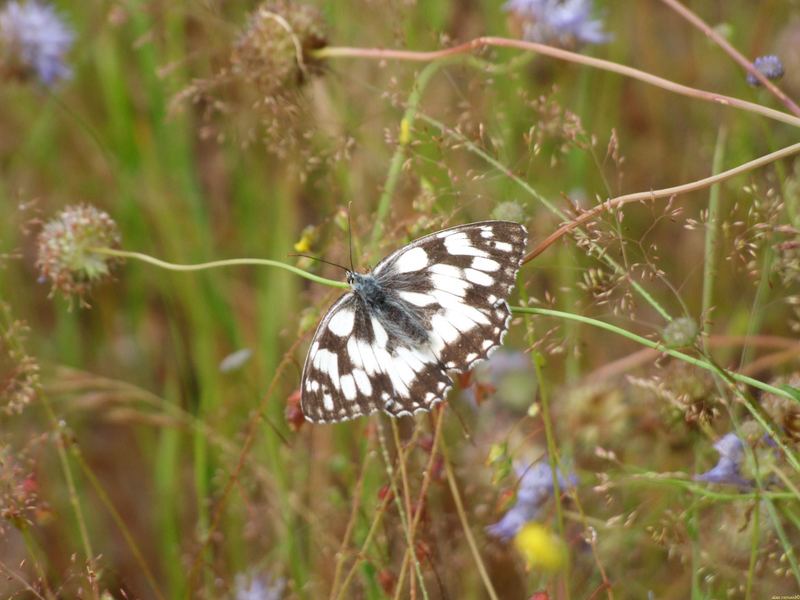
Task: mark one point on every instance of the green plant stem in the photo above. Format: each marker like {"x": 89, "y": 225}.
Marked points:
{"x": 589, "y": 61}
{"x": 231, "y": 262}
{"x": 552, "y": 448}
{"x": 703, "y": 364}
{"x": 73, "y": 495}
{"x": 618, "y": 268}
{"x": 120, "y": 522}
{"x": 651, "y": 344}
{"x": 712, "y": 235}
{"x": 396, "y": 164}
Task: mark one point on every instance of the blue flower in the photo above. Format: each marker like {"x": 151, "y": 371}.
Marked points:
{"x": 728, "y": 468}
{"x": 566, "y": 23}
{"x": 770, "y": 66}
{"x": 535, "y": 488}
{"x": 253, "y": 587}
{"x": 34, "y": 39}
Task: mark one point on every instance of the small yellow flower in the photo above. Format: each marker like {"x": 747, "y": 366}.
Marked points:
{"x": 541, "y": 548}
{"x": 306, "y": 241}
{"x": 303, "y": 245}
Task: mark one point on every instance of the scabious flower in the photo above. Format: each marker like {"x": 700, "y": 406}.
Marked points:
{"x": 565, "y": 23}
{"x": 33, "y": 42}
{"x": 770, "y": 66}
{"x": 66, "y": 253}
{"x": 728, "y": 468}
{"x": 535, "y": 488}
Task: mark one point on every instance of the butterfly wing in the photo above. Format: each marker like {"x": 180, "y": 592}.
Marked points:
{"x": 460, "y": 278}
{"x": 452, "y": 287}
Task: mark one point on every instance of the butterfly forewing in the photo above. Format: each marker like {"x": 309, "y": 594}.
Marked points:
{"x": 433, "y": 306}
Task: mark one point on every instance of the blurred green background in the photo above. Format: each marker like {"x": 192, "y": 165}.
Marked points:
{"x": 202, "y": 469}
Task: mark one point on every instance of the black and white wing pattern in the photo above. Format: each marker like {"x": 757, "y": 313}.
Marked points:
{"x": 433, "y": 306}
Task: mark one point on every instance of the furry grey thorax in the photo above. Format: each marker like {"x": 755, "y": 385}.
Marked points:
{"x": 404, "y": 323}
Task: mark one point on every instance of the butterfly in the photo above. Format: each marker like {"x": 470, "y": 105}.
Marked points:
{"x": 434, "y": 306}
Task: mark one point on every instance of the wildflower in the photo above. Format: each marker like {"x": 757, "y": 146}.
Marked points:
{"x": 565, "y": 23}
{"x": 33, "y": 42}
{"x": 535, "y": 488}
{"x": 680, "y": 333}
{"x": 541, "y": 548}
{"x": 728, "y": 468}
{"x": 252, "y": 587}
{"x": 770, "y": 66}
{"x": 66, "y": 254}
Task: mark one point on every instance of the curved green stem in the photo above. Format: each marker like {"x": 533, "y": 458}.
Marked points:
{"x": 396, "y": 165}
{"x": 654, "y": 345}
{"x": 230, "y": 262}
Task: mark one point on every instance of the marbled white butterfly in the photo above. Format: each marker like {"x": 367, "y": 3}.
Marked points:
{"x": 433, "y": 306}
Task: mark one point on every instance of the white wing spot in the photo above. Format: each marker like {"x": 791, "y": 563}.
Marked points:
{"x": 380, "y": 333}
{"x": 471, "y": 356}
{"x": 503, "y": 246}
{"x": 341, "y": 322}
{"x": 485, "y": 264}
{"x": 444, "y": 328}
{"x": 348, "y": 387}
{"x": 486, "y": 232}
{"x": 412, "y": 260}
{"x": 363, "y": 382}
{"x": 487, "y": 344}
{"x": 449, "y": 286}
{"x": 315, "y": 386}
{"x": 327, "y": 401}
{"x": 446, "y": 270}
{"x": 478, "y": 277}
{"x": 417, "y": 299}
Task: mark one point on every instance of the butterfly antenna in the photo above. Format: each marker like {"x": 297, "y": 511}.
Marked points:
{"x": 350, "y": 236}
{"x": 322, "y": 260}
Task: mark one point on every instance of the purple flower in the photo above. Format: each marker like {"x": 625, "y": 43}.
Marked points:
{"x": 535, "y": 488}
{"x": 565, "y": 23}
{"x": 727, "y": 469}
{"x": 770, "y": 66}
{"x": 252, "y": 587}
{"x": 35, "y": 39}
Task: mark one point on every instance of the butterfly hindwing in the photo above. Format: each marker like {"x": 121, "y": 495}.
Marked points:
{"x": 435, "y": 305}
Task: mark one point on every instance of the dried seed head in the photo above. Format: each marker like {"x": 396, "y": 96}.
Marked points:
{"x": 509, "y": 211}
{"x": 273, "y": 51}
{"x": 784, "y": 411}
{"x": 65, "y": 249}
{"x": 680, "y": 333}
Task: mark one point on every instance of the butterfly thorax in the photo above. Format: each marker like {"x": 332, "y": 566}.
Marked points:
{"x": 404, "y": 324}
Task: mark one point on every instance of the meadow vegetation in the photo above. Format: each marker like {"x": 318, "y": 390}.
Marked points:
{"x": 163, "y": 163}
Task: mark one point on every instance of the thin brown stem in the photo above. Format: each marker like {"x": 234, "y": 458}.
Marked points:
{"x": 426, "y": 480}
{"x": 619, "y": 201}
{"x": 462, "y": 516}
{"x": 558, "y": 53}
{"x": 728, "y": 48}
